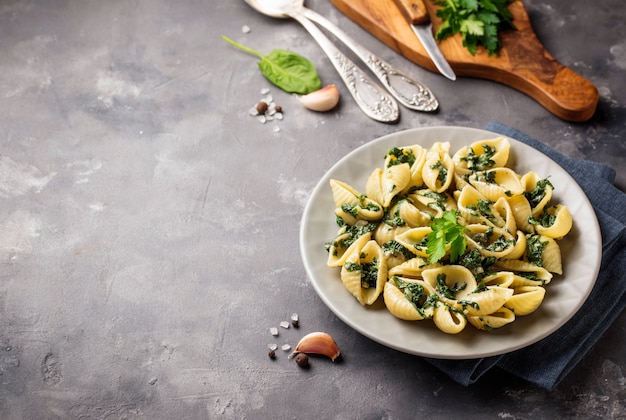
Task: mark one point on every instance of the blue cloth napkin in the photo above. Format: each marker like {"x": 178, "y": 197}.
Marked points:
{"x": 548, "y": 361}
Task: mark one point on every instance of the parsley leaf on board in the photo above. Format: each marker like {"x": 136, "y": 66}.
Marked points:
{"x": 446, "y": 230}
{"x": 288, "y": 70}
{"x": 478, "y": 22}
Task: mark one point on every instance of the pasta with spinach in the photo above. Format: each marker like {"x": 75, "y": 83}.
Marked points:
{"x": 507, "y": 224}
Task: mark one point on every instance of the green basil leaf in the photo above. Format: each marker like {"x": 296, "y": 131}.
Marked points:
{"x": 288, "y": 70}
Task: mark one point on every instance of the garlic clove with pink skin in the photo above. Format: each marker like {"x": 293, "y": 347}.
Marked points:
{"x": 321, "y": 100}
{"x": 318, "y": 343}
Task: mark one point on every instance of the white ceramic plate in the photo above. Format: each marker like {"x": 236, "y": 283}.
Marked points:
{"x": 581, "y": 252}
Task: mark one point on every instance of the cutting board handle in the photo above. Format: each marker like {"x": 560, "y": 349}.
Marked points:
{"x": 523, "y": 63}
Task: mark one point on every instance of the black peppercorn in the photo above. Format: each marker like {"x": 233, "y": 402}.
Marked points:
{"x": 302, "y": 360}
{"x": 272, "y": 354}
{"x": 261, "y": 107}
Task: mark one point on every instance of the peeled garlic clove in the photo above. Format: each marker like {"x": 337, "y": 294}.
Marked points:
{"x": 321, "y": 100}
{"x": 318, "y": 343}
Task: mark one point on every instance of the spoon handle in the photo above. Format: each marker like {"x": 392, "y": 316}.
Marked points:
{"x": 409, "y": 92}
{"x": 371, "y": 97}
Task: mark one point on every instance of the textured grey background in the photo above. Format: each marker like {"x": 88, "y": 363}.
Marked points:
{"x": 149, "y": 225}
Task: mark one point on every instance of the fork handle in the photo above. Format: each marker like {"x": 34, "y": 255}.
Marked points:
{"x": 408, "y": 91}
{"x": 369, "y": 96}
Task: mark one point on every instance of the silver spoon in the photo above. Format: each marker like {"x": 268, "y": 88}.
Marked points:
{"x": 371, "y": 97}
{"x": 406, "y": 90}
{"x": 409, "y": 92}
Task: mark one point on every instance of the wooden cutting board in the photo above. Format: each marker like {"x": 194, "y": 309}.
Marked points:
{"x": 523, "y": 63}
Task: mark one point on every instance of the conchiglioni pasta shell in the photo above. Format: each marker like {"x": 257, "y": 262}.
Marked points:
{"x": 501, "y": 213}
{"x": 500, "y": 158}
{"x": 449, "y": 320}
{"x": 411, "y": 239}
{"x": 367, "y": 209}
{"x": 373, "y": 186}
{"x": 426, "y": 205}
{"x": 411, "y": 215}
{"x": 385, "y": 233}
{"x": 499, "y": 278}
{"x": 503, "y": 208}
{"x": 416, "y": 168}
{"x": 400, "y": 307}
{"x": 461, "y": 178}
{"x": 468, "y": 198}
{"x": 438, "y": 156}
{"x": 344, "y": 193}
{"x": 503, "y": 149}
{"x": 526, "y": 299}
{"x": 475, "y": 229}
{"x": 433, "y": 203}
{"x": 450, "y": 202}
{"x": 529, "y": 182}
{"x": 337, "y": 254}
{"x": 506, "y": 182}
{"x": 393, "y": 260}
{"x": 394, "y": 179}
{"x": 337, "y": 248}
{"x": 348, "y": 218}
{"x": 370, "y": 252}
{"x": 411, "y": 268}
{"x": 455, "y": 275}
{"x": 562, "y": 224}
{"x": 520, "y": 267}
{"x": 352, "y": 280}
{"x": 497, "y": 319}
{"x": 519, "y": 249}
{"x": 520, "y": 281}
{"x": 520, "y": 207}
{"x": 419, "y": 153}
{"x": 487, "y": 301}
{"x": 551, "y": 255}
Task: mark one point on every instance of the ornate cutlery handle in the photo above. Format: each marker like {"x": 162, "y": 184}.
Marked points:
{"x": 407, "y": 91}
{"x": 371, "y": 97}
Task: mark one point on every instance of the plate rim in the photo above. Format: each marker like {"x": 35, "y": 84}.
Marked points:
{"x": 515, "y": 144}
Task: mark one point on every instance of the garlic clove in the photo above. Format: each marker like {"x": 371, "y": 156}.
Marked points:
{"x": 321, "y": 100}
{"x": 318, "y": 343}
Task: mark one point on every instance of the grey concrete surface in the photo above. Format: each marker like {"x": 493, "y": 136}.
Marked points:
{"x": 149, "y": 225}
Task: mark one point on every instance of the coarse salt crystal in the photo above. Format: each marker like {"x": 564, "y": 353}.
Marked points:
{"x": 262, "y": 119}
{"x": 276, "y": 129}
{"x": 265, "y": 91}
{"x": 274, "y": 331}
{"x": 284, "y": 324}
{"x": 272, "y": 346}
{"x": 245, "y": 29}
{"x": 286, "y": 347}
{"x": 278, "y": 115}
